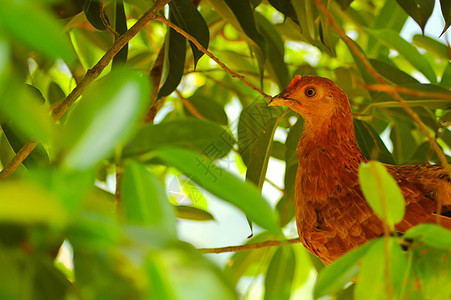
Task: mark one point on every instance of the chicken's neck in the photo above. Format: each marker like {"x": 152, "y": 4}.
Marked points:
{"x": 329, "y": 159}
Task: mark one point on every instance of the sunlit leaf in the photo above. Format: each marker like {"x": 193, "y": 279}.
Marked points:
{"x": 40, "y": 32}
{"x": 279, "y": 277}
{"x": 381, "y": 192}
{"x": 219, "y": 182}
{"x": 333, "y": 278}
{"x": 193, "y": 213}
{"x": 144, "y": 200}
{"x": 407, "y": 50}
{"x": 104, "y": 118}
{"x": 430, "y": 234}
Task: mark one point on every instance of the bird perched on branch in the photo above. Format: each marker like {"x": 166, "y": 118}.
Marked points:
{"x": 332, "y": 215}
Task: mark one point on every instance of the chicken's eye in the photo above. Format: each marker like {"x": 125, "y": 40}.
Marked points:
{"x": 310, "y": 92}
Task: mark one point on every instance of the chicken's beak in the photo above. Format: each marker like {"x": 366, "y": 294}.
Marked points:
{"x": 277, "y": 100}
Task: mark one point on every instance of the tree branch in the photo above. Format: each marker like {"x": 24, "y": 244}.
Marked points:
{"x": 246, "y": 247}
{"x": 90, "y": 76}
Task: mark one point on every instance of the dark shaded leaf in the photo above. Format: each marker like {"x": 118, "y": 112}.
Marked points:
{"x": 174, "y": 57}
{"x": 280, "y": 274}
{"x": 204, "y": 137}
{"x": 121, "y": 27}
{"x": 402, "y": 139}
{"x": 55, "y": 93}
{"x": 371, "y": 144}
{"x": 344, "y": 3}
{"x": 446, "y": 12}
{"x": 190, "y": 20}
{"x": 419, "y": 10}
{"x": 223, "y": 185}
{"x": 93, "y": 9}
{"x": 285, "y": 7}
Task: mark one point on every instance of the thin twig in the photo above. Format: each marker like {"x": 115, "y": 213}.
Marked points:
{"x": 209, "y": 54}
{"x": 271, "y": 243}
{"x": 390, "y": 89}
{"x": 89, "y": 77}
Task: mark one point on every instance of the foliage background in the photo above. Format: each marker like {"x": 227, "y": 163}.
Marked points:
{"x": 170, "y": 125}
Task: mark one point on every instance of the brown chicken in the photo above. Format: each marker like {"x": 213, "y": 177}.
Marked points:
{"x": 332, "y": 215}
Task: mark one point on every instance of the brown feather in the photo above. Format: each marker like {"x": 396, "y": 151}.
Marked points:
{"x": 332, "y": 215}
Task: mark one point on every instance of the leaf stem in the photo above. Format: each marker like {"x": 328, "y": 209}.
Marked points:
{"x": 270, "y": 243}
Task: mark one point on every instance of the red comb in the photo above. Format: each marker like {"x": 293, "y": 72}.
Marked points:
{"x": 294, "y": 81}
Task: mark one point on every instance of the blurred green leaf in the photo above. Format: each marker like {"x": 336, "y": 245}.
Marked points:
{"x": 23, "y": 112}
{"x": 55, "y": 93}
{"x": 223, "y": 185}
{"x": 391, "y": 72}
{"x": 280, "y": 274}
{"x": 381, "y": 192}
{"x": 419, "y": 10}
{"x": 333, "y": 278}
{"x": 40, "y": 32}
{"x": 48, "y": 211}
{"x": 446, "y": 77}
{"x": 432, "y": 46}
{"x": 407, "y": 50}
{"x": 144, "y": 200}
{"x": 372, "y": 276}
{"x": 193, "y": 213}
{"x": 205, "y": 137}
{"x": 430, "y": 234}
{"x": 104, "y": 118}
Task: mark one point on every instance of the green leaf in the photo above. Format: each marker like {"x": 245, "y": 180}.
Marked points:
{"x": 144, "y": 200}
{"x": 306, "y": 13}
{"x": 285, "y": 7}
{"x": 55, "y": 93}
{"x": 36, "y": 205}
{"x": 252, "y": 126}
{"x": 223, "y": 185}
{"x": 205, "y": 137}
{"x": 259, "y": 155}
{"x": 193, "y": 213}
{"x": 208, "y": 108}
{"x": 24, "y": 113}
{"x": 432, "y": 46}
{"x": 407, "y": 50}
{"x": 104, "y": 118}
{"x": 92, "y": 9}
{"x": 371, "y": 144}
{"x": 40, "y": 31}
{"x": 446, "y": 12}
{"x": 280, "y": 274}
{"x": 381, "y": 192}
{"x": 403, "y": 141}
{"x": 419, "y": 10}
{"x": 430, "y": 234}
{"x": 174, "y": 59}
{"x": 391, "y": 72}
{"x": 344, "y": 3}
{"x": 372, "y": 279}
{"x": 275, "y": 52}
{"x": 120, "y": 59}
{"x": 333, "y": 278}
{"x": 446, "y": 77}
{"x": 191, "y": 21}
